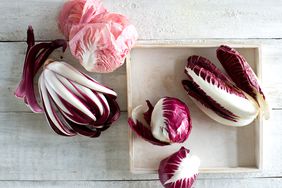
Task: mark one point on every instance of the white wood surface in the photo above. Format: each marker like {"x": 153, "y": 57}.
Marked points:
{"x": 170, "y": 19}
{"x": 30, "y": 151}
{"x": 208, "y": 183}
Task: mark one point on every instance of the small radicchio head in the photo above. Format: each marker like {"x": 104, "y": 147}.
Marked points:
{"x": 179, "y": 170}
{"x": 168, "y": 122}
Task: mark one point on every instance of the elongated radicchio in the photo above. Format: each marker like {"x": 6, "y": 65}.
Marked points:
{"x": 216, "y": 95}
{"x": 242, "y": 75}
{"x": 179, "y": 170}
{"x": 73, "y": 102}
{"x": 168, "y": 122}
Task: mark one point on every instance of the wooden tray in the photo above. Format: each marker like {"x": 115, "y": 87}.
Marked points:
{"x": 155, "y": 69}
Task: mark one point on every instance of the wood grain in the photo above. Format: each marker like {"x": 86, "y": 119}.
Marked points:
{"x": 13, "y": 56}
{"x": 175, "y": 19}
{"x": 11, "y": 69}
{"x": 31, "y": 151}
{"x": 223, "y": 183}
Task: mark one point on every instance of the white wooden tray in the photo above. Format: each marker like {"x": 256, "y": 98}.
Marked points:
{"x": 154, "y": 70}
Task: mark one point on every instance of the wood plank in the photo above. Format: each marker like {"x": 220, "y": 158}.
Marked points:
{"x": 31, "y": 151}
{"x": 171, "y": 20}
{"x": 11, "y": 70}
{"x": 209, "y": 183}
{"x": 12, "y": 54}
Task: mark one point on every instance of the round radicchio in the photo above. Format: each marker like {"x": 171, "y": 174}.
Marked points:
{"x": 168, "y": 122}
{"x": 179, "y": 170}
{"x": 102, "y": 46}
{"x": 98, "y": 39}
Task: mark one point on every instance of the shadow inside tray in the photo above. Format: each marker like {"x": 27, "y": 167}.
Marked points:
{"x": 246, "y": 146}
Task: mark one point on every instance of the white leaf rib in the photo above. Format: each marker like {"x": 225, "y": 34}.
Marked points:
{"x": 239, "y": 106}
{"x": 71, "y": 73}
{"x": 48, "y": 107}
{"x": 61, "y": 90}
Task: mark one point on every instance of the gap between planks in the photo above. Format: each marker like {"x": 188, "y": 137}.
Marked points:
{"x": 140, "y": 39}
{"x": 122, "y": 111}
{"x": 142, "y": 180}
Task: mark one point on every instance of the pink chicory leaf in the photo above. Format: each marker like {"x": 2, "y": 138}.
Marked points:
{"x": 76, "y": 12}
{"x": 103, "y": 46}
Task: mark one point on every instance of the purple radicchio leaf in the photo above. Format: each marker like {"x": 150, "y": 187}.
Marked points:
{"x": 79, "y": 109}
{"x": 20, "y": 91}
{"x": 171, "y": 121}
{"x": 242, "y": 74}
{"x": 140, "y": 126}
{"x": 216, "y": 95}
{"x": 52, "y": 117}
{"x": 148, "y": 114}
{"x": 179, "y": 169}
{"x": 195, "y": 92}
{"x": 168, "y": 122}
{"x": 35, "y": 57}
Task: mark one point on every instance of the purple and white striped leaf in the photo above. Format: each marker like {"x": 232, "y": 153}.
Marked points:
{"x": 179, "y": 170}
{"x": 36, "y": 55}
{"x": 139, "y": 125}
{"x": 79, "y": 108}
{"x": 216, "y": 95}
{"x": 168, "y": 122}
{"x": 242, "y": 75}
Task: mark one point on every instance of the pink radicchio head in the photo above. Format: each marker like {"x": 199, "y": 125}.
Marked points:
{"x": 179, "y": 170}
{"x": 168, "y": 122}
{"x": 76, "y": 12}
{"x": 100, "y": 40}
{"x": 242, "y": 75}
{"x": 72, "y": 101}
{"x": 102, "y": 46}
